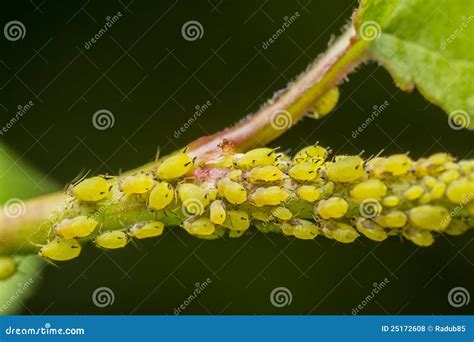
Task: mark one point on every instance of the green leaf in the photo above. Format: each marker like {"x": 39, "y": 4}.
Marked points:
{"x": 428, "y": 44}
{"x": 18, "y": 181}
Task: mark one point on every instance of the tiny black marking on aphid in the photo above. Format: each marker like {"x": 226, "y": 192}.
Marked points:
{"x": 187, "y": 163}
{"x": 102, "y": 192}
{"x": 74, "y": 246}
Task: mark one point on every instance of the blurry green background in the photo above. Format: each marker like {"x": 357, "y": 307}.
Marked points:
{"x": 151, "y": 79}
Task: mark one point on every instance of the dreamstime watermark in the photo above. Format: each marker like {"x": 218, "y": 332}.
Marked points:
{"x": 288, "y": 21}
{"x": 199, "y": 110}
{"x": 377, "y": 287}
{"x": 466, "y": 21}
{"x": 459, "y": 119}
{"x": 21, "y": 110}
{"x": 192, "y": 207}
{"x": 103, "y": 296}
{"x": 458, "y": 296}
{"x": 192, "y": 30}
{"x": 281, "y": 296}
{"x": 369, "y": 30}
{"x": 22, "y": 287}
{"x": 14, "y": 30}
{"x": 377, "y": 110}
{"x": 370, "y": 208}
{"x": 14, "y": 208}
{"x": 454, "y": 212}
{"x": 281, "y": 120}
{"x": 103, "y": 119}
{"x": 198, "y": 289}
{"x": 110, "y": 21}
{"x": 46, "y": 330}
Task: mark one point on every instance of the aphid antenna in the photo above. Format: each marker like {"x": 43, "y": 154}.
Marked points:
{"x": 80, "y": 177}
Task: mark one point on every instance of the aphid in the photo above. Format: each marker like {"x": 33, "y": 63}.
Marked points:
{"x": 305, "y": 171}
{"x": 333, "y": 207}
{"x": 425, "y": 198}
{"x": 376, "y": 166}
{"x": 91, "y": 189}
{"x": 430, "y": 181}
{"x": 282, "y": 162}
{"x": 371, "y": 229}
{"x": 200, "y": 226}
{"x": 160, "y": 196}
{"x": 258, "y": 157}
{"x": 420, "y": 237}
{"x": 235, "y": 175}
{"x": 372, "y": 188}
{"x": 175, "y": 166}
{"x": 272, "y": 195}
{"x": 461, "y": 191}
{"x": 397, "y": 164}
{"x": 267, "y": 173}
{"x": 430, "y": 217}
{"x": 7, "y": 267}
{"x": 346, "y": 169}
{"x": 314, "y": 154}
{"x": 282, "y": 213}
{"x": 448, "y": 176}
{"x": 308, "y": 193}
{"x": 237, "y": 220}
{"x": 326, "y": 103}
{"x": 340, "y": 232}
{"x": 457, "y": 227}
{"x": 136, "y": 184}
{"x": 147, "y": 230}
{"x": 193, "y": 197}
{"x": 111, "y": 240}
{"x": 233, "y": 192}
{"x": 440, "y": 158}
{"x": 79, "y": 226}
{"x": 217, "y": 212}
{"x": 393, "y": 219}
{"x": 391, "y": 201}
{"x": 304, "y": 230}
{"x": 327, "y": 189}
{"x": 413, "y": 192}
{"x": 60, "y": 249}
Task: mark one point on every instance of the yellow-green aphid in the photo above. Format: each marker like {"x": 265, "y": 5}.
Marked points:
{"x": 193, "y": 197}
{"x": 376, "y": 166}
{"x": 438, "y": 190}
{"x": 430, "y": 217}
{"x": 305, "y": 230}
{"x": 315, "y": 154}
{"x": 261, "y": 215}
{"x": 391, "y": 201}
{"x": 440, "y": 158}
{"x": 60, "y": 249}
{"x": 371, "y": 229}
{"x": 91, "y": 189}
{"x": 305, "y": 171}
{"x": 175, "y": 166}
{"x": 346, "y": 169}
{"x": 308, "y": 193}
{"x": 282, "y": 213}
{"x": 237, "y": 220}
{"x": 137, "y": 184}
{"x": 461, "y": 191}
{"x": 272, "y": 195}
{"x": 420, "y": 237}
{"x": 413, "y": 192}
{"x": 397, "y": 164}
{"x": 372, "y": 188}
{"x": 217, "y": 212}
{"x": 147, "y": 230}
{"x": 333, "y": 207}
{"x": 235, "y": 175}
{"x": 258, "y": 157}
{"x": 7, "y": 267}
{"x": 340, "y": 232}
{"x": 79, "y": 226}
{"x": 160, "y": 196}
{"x": 457, "y": 227}
{"x": 326, "y": 102}
{"x": 286, "y": 228}
{"x": 393, "y": 219}
{"x": 200, "y": 226}
{"x": 267, "y": 173}
{"x": 233, "y": 192}
{"x": 111, "y": 240}
{"x": 449, "y": 175}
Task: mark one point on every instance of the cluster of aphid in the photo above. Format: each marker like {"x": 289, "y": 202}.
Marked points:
{"x": 303, "y": 196}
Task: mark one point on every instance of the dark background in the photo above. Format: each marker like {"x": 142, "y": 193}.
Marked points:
{"x": 151, "y": 79}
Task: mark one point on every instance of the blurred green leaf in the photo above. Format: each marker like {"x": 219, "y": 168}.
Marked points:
{"x": 427, "y": 44}
{"x": 20, "y": 181}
